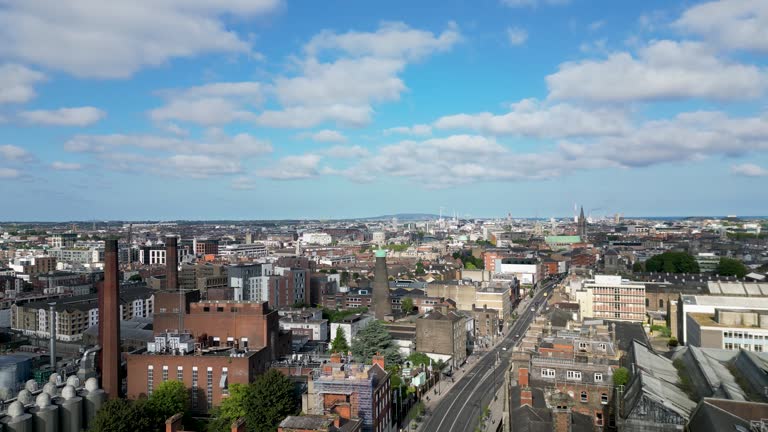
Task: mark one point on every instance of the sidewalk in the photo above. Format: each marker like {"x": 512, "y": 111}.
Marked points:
{"x": 497, "y": 412}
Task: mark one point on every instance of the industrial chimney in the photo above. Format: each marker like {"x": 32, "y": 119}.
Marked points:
{"x": 109, "y": 318}
{"x": 381, "y": 302}
{"x": 171, "y": 264}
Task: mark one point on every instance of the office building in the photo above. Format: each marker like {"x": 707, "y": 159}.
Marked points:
{"x": 611, "y": 297}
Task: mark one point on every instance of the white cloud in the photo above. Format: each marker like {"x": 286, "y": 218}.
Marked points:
{"x": 293, "y": 168}
{"x": 243, "y": 183}
{"x": 533, "y": 3}
{"x": 308, "y": 116}
{"x": 391, "y": 40}
{"x": 325, "y": 135}
{"x": 517, "y": 35}
{"x": 14, "y": 153}
{"x": 198, "y": 166}
{"x": 346, "y": 152}
{"x": 732, "y": 24}
{"x": 17, "y": 82}
{"x": 662, "y": 70}
{"x": 94, "y": 38}
{"x": 365, "y": 71}
{"x": 529, "y": 117}
{"x": 211, "y": 104}
{"x": 215, "y": 143}
{"x": 749, "y": 170}
{"x": 9, "y": 173}
{"x": 65, "y": 166}
{"x": 78, "y": 116}
{"x": 175, "y": 129}
{"x": 686, "y": 137}
{"x": 416, "y": 130}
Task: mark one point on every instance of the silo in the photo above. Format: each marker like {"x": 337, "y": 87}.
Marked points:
{"x": 94, "y": 399}
{"x": 70, "y": 410}
{"x": 17, "y": 420}
{"x": 45, "y": 414}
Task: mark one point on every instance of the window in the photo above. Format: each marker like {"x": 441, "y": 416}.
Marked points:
{"x": 661, "y": 303}
{"x": 219, "y": 308}
{"x": 180, "y": 373}
{"x": 728, "y": 345}
{"x": 206, "y": 308}
{"x": 573, "y": 375}
{"x": 647, "y": 303}
{"x": 599, "y": 419}
{"x": 150, "y": 379}
{"x": 604, "y": 398}
{"x": 584, "y": 397}
{"x": 165, "y": 373}
{"x": 598, "y": 377}
{"x": 547, "y": 373}
{"x": 758, "y": 348}
{"x": 603, "y": 346}
{"x": 582, "y": 345}
{"x": 194, "y": 388}
{"x": 209, "y": 393}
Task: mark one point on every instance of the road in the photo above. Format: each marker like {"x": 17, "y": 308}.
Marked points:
{"x": 460, "y": 408}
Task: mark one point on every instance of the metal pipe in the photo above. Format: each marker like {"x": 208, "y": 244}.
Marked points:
{"x": 52, "y": 348}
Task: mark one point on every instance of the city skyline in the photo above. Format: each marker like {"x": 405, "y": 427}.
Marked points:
{"x": 271, "y": 109}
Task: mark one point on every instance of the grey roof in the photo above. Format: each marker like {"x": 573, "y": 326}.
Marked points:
{"x": 128, "y": 293}
{"x": 656, "y": 365}
{"x": 710, "y": 418}
{"x": 527, "y": 419}
{"x": 660, "y": 391}
{"x": 306, "y": 422}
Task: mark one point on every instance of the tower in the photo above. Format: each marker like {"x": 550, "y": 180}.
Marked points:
{"x": 381, "y": 302}
{"x": 171, "y": 264}
{"x": 109, "y": 322}
{"x": 582, "y": 225}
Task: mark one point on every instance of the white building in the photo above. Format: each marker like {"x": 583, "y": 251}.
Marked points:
{"x": 350, "y": 325}
{"x": 249, "y": 250}
{"x": 611, "y": 297}
{"x": 316, "y": 329}
{"x": 319, "y": 238}
{"x": 250, "y": 281}
{"x": 379, "y": 237}
{"x": 77, "y": 255}
{"x": 526, "y": 273}
{"x": 709, "y": 303}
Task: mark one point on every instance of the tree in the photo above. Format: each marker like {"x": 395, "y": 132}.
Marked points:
{"x": 121, "y": 415}
{"x": 638, "y": 267}
{"x": 407, "y": 305}
{"x": 418, "y": 359}
{"x": 420, "y": 269}
{"x": 344, "y": 278}
{"x": 263, "y": 403}
{"x": 339, "y": 343}
{"x": 672, "y": 262}
{"x": 135, "y": 278}
{"x": 169, "y": 398}
{"x": 271, "y": 398}
{"x": 620, "y": 376}
{"x": 673, "y": 342}
{"x": 470, "y": 266}
{"x": 374, "y": 338}
{"x": 731, "y": 267}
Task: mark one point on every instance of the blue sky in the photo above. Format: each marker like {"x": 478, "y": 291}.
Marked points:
{"x": 261, "y": 109}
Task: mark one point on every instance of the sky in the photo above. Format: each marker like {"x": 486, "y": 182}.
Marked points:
{"x": 272, "y": 109}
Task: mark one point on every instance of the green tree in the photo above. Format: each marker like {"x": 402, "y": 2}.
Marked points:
{"x": 135, "y": 278}
{"x": 169, "y": 398}
{"x": 672, "y": 262}
{"x": 271, "y": 398}
{"x": 339, "y": 343}
{"x": 470, "y": 266}
{"x": 374, "y": 338}
{"x": 263, "y": 403}
{"x": 420, "y": 269}
{"x": 731, "y": 267}
{"x": 673, "y": 342}
{"x": 344, "y": 278}
{"x": 638, "y": 267}
{"x": 407, "y": 305}
{"x": 121, "y": 415}
{"x": 621, "y": 376}
{"x": 418, "y": 359}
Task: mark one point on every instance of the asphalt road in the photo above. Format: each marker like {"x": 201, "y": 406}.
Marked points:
{"x": 461, "y": 407}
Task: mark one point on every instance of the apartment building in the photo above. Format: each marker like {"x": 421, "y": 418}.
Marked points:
{"x": 611, "y": 297}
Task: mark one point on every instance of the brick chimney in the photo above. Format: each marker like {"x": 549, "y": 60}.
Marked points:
{"x": 522, "y": 377}
{"x": 171, "y": 264}
{"x": 343, "y": 409}
{"x": 378, "y": 359}
{"x": 526, "y": 397}
{"x": 562, "y": 420}
{"x": 109, "y": 317}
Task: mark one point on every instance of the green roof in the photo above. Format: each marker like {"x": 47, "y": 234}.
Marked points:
{"x": 562, "y": 239}
{"x": 381, "y": 253}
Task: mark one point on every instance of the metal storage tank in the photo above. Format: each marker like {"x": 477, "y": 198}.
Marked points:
{"x": 17, "y": 420}
{"x": 94, "y": 399}
{"x": 70, "y": 410}
{"x": 45, "y": 414}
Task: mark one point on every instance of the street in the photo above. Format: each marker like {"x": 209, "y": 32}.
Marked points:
{"x": 459, "y": 409}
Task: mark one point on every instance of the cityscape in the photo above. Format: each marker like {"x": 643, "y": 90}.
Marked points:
{"x": 383, "y": 216}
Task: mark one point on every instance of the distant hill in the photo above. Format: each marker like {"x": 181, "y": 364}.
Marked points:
{"x": 404, "y": 217}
